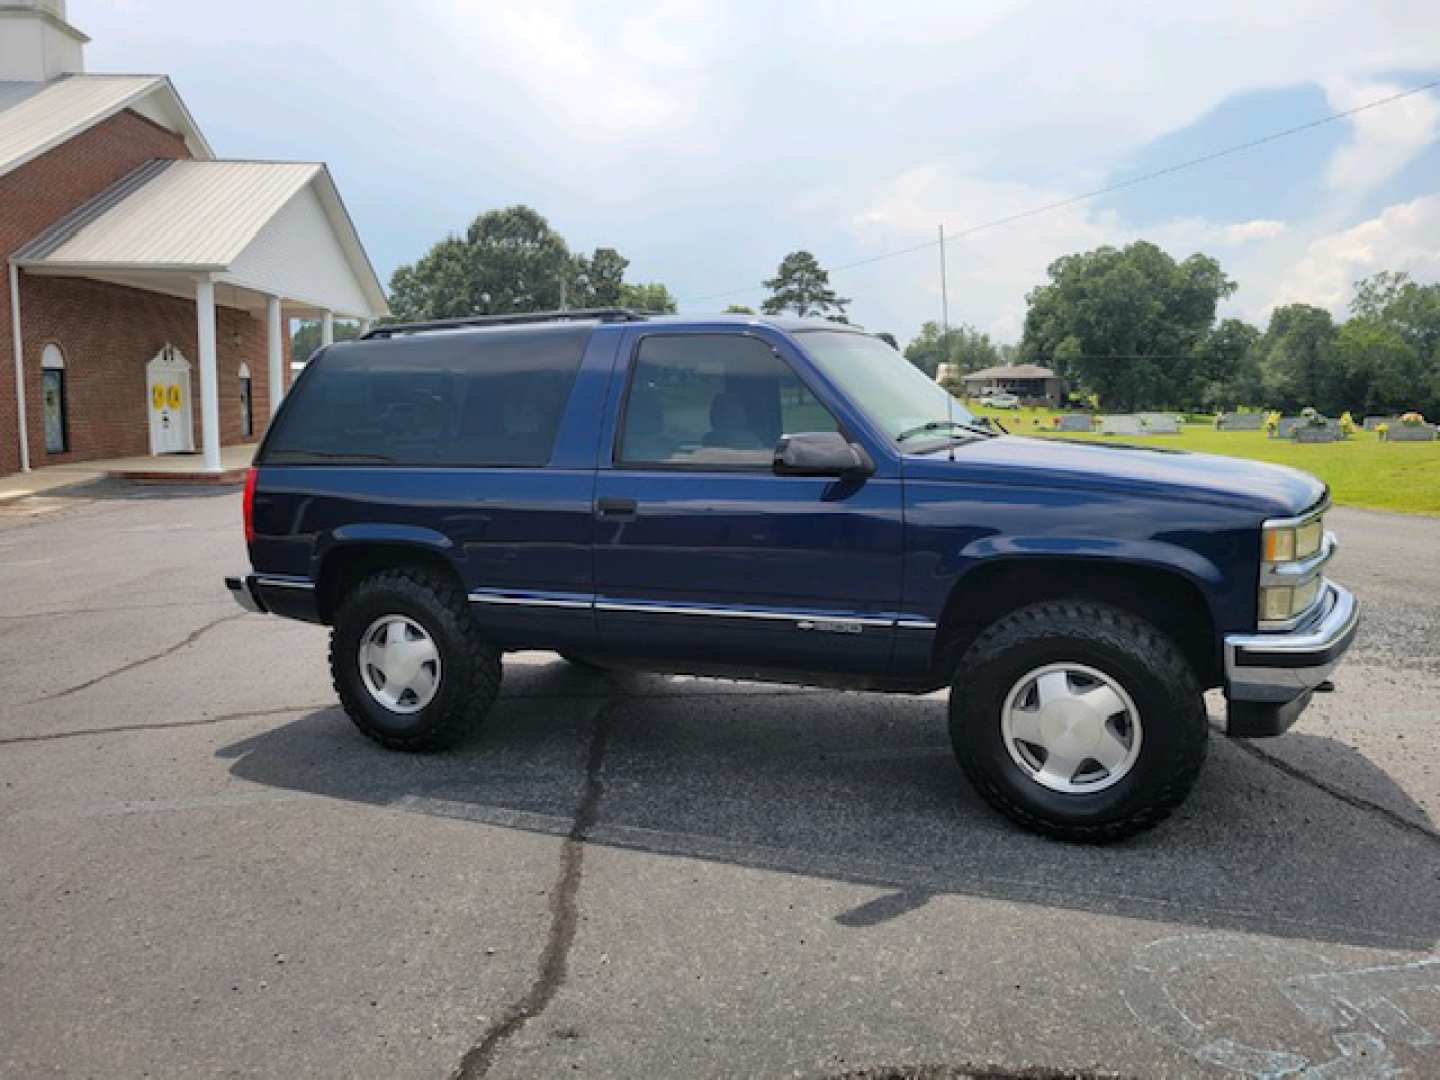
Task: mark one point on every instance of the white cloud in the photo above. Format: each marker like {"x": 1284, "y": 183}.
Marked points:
{"x": 1403, "y": 237}
{"x": 1259, "y": 229}
{"x": 1383, "y": 139}
{"x": 636, "y": 70}
{"x": 991, "y": 270}
{"x": 706, "y": 139}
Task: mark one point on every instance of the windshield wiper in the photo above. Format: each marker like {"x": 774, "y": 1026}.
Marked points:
{"x": 941, "y": 425}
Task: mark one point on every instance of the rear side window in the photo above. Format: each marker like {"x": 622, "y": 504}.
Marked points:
{"x": 446, "y": 399}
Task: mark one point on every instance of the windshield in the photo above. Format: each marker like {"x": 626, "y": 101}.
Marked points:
{"x": 900, "y": 398}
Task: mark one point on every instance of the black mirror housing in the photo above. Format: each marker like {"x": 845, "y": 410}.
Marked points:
{"x": 821, "y": 453}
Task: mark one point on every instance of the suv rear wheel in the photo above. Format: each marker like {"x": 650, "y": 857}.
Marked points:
{"x": 409, "y": 664}
{"x": 1078, "y": 720}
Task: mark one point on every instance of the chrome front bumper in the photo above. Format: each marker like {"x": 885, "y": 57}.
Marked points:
{"x": 1269, "y": 677}
{"x": 1280, "y": 667}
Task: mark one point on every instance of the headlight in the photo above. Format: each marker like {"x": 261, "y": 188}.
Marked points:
{"x": 1281, "y": 602}
{"x": 1288, "y": 590}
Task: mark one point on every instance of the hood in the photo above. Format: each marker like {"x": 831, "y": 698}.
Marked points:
{"x": 1274, "y": 490}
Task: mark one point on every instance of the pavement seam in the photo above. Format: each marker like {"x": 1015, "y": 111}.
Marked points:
{"x": 189, "y": 639}
{"x": 564, "y": 913}
{"x": 1357, "y": 801}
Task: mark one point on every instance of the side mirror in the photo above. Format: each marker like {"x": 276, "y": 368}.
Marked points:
{"x": 821, "y": 453}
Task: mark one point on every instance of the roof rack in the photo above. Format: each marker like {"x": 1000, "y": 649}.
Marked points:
{"x": 610, "y": 314}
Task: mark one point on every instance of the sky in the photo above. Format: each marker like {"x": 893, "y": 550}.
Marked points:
{"x": 706, "y": 140}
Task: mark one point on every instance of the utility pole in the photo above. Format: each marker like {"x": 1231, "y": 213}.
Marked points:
{"x": 944, "y": 289}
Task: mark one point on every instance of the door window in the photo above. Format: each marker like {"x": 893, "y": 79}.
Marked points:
{"x": 713, "y": 401}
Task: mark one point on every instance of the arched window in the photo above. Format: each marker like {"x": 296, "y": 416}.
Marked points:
{"x": 247, "y": 403}
{"x": 52, "y": 393}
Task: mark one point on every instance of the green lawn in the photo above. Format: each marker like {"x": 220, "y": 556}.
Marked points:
{"x": 1361, "y": 470}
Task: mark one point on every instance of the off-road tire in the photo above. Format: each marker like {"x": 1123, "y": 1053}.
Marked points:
{"x": 469, "y": 665}
{"x": 1130, "y": 650}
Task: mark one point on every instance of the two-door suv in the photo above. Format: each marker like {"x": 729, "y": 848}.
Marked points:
{"x": 784, "y": 500}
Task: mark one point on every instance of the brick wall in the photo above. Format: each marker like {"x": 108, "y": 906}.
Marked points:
{"x": 32, "y": 198}
{"x": 108, "y": 334}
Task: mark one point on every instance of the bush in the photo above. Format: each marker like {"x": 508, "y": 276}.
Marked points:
{"x": 1412, "y": 419}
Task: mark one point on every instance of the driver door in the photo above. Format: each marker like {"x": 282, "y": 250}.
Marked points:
{"x": 702, "y": 552}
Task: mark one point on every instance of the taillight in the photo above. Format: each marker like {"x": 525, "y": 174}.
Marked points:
{"x": 248, "y": 505}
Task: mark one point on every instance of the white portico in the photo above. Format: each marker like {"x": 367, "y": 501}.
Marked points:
{"x": 269, "y": 238}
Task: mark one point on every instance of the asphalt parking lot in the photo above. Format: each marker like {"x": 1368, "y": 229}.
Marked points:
{"x": 207, "y": 871}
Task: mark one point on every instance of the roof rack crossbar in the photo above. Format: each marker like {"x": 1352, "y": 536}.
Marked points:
{"x": 609, "y": 314}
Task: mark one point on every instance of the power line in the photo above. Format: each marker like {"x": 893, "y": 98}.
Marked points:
{"x": 1120, "y": 185}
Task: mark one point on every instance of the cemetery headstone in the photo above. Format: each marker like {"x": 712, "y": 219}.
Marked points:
{"x": 1121, "y": 425}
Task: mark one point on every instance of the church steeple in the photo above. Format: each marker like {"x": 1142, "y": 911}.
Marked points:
{"x": 36, "y": 41}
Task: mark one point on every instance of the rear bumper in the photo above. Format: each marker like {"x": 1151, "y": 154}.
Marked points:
{"x": 1269, "y": 677}
{"x": 286, "y": 595}
{"x": 242, "y": 589}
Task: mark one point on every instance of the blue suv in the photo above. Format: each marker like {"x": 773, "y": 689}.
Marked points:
{"x": 784, "y": 500}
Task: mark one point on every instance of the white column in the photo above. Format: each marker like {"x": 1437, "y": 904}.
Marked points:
{"x": 209, "y": 373}
{"x": 327, "y": 328}
{"x": 277, "y": 351}
{"x": 364, "y": 327}
{"x": 19, "y": 339}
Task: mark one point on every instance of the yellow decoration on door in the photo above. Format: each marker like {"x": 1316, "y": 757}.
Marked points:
{"x": 157, "y": 396}
{"x": 174, "y": 395}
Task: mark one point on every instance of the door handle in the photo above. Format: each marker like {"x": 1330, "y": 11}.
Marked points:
{"x": 613, "y": 508}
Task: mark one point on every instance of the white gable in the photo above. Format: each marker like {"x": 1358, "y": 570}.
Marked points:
{"x": 298, "y": 254}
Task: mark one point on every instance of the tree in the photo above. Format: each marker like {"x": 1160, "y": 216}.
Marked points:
{"x": 961, "y": 346}
{"x": 1378, "y": 370}
{"x": 1124, "y": 323}
{"x": 597, "y": 281}
{"x": 1411, "y": 313}
{"x": 508, "y": 261}
{"x": 654, "y": 298}
{"x": 739, "y": 309}
{"x": 1298, "y": 366}
{"x": 512, "y": 261}
{"x": 801, "y": 285}
{"x": 1225, "y": 369}
{"x": 307, "y": 337}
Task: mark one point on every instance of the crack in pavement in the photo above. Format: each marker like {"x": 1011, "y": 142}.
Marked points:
{"x": 1357, "y": 801}
{"x": 189, "y": 639}
{"x": 65, "y": 612}
{"x": 204, "y": 721}
{"x": 78, "y": 733}
{"x": 564, "y": 913}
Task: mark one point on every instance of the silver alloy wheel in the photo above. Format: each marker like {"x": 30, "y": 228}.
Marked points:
{"x": 1071, "y": 728}
{"x": 399, "y": 663}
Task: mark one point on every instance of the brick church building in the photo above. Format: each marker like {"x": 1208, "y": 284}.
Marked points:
{"x": 149, "y": 284}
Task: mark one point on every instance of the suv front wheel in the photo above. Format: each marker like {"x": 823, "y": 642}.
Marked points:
{"x": 409, "y": 664}
{"x": 1078, "y": 720}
